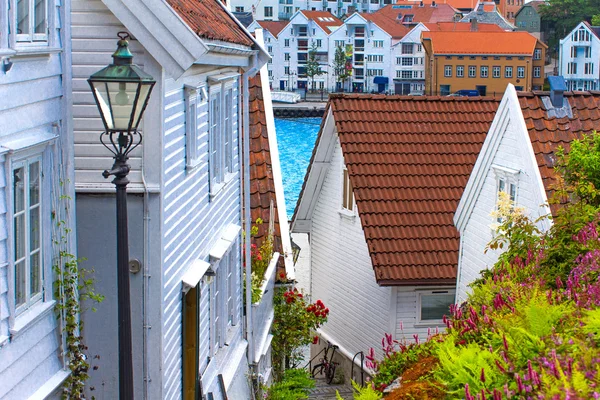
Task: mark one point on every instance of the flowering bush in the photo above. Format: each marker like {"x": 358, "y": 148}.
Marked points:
{"x": 531, "y": 327}
{"x": 293, "y": 327}
{"x": 260, "y": 258}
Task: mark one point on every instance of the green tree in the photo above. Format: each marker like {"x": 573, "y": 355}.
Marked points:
{"x": 339, "y": 65}
{"x": 313, "y": 68}
{"x": 564, "y": 15}
{"x": 596, "y": 20}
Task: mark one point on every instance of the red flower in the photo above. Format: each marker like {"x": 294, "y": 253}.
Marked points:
{"x": 316, "y": 339}
{"x": 282, "y": 275}
{"x": 300, "y": 295}
{"x": 289, "y": 299}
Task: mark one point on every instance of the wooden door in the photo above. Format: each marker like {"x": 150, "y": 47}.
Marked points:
{"x": 191, "y": 328}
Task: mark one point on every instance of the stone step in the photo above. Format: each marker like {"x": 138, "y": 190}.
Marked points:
{"x": 325, "y": 391}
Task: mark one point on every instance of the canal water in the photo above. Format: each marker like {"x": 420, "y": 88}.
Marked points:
{"x": 295, "y": 138}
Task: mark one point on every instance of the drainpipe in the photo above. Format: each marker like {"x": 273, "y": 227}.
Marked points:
{"x": 246, "y": 204}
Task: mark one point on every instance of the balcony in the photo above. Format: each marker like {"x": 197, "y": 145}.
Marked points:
{"x": 285, "y": 16}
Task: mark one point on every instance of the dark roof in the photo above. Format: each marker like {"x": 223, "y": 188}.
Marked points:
{"x": 262, "y": 185}
{"x": 409, "y": 159}
{"x": 489, "y": 17}
{"x": 594, "y": 29}
{"x": 209, "y": 20}
{"x": 245, "y": 17}
{"x": 548, "y": 133}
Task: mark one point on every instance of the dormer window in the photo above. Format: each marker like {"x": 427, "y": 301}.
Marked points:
{"x": 347, "y": 194}
{"x": 507, "y": 181}
{"x": 408, "y": 18}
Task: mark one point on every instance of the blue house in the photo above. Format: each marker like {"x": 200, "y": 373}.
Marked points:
{"x": 185, "y": 199}
{"x": 36, "y": 167}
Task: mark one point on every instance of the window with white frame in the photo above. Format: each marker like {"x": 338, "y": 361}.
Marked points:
{"x": 222, "y": 112}
{"x": 520, "y": 72}
{"x": 537, "y": 54}
{"x": 472, "y": 71}
{"x": 268, "y": 12}
{"x": 31, "y": 21}
{"x": 215, "y": 160}
{"x": 194, "y": 97}
{"x": 407, "y": 48}
{"x": 483, "y": 71}
{"x": 537, "y": 72}
{"x": 508, "y": 72}
{"x": 507, "y": 182}
{"x": 286, "y": 42}
{"x": 407, "y": 61}
{"x": 433, "y": 305}
{"x": 27, "y": 232}
{"x": 448, "y": 71}
{"x": 495, "y": 71}
{"x": 460, "y": 71}
{"x": 347, "y": 194}
{"x": 377, "y": 43}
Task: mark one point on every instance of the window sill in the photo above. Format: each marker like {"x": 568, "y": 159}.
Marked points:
{"x": 424, "y": 324}
{"x": 30, "y": 317}
{"x": 3, "y": 340}
{"x": 218, "y": 188}
{"x": 35, "y": 51}
{"x": 347, "y": 214}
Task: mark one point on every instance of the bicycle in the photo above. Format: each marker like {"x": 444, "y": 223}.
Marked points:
{"x": 327, "y": 365}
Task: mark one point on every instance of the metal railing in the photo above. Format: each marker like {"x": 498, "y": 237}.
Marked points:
{"x": 362, "y": 368}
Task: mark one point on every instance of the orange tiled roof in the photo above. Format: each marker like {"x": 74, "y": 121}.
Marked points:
{"x": 388, "y": 25}
{"x": 273, "y": 26}
{"x": 409, "y": 159}
{"x": 439, "y": 13}
{"x": 458, "y": 4}
{"x": 548, "y": 133}
{"x": 324, "y": 19}
{"x": 209, "y": 20}
{"x": 262, "y": 186}
{"x": 461, "y": 27}
{"x": 481, "y": 42}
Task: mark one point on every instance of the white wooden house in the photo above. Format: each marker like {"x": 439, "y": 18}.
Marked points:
{"x": 517, "y": 157}
{"x": 579, "y": 56}
{"x": 185, "y": 196}
{"x": 377, "y": 202}
{"x": 36, "y": 167}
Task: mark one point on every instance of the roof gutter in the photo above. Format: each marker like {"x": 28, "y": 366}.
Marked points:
{"x": 416, "y": 282}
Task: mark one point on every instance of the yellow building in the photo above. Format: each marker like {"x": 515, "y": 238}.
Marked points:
{"x": 483, "y": 61}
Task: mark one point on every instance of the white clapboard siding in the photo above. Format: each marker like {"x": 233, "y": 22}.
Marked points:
{"x": 342, "y": 273}
{"x": 94, "y": 40}
{"x": 192, "y": 220}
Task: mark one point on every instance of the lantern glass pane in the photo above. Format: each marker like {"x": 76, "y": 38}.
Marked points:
{"x": 116, "y": 102}
{"x": 139, "y": 107}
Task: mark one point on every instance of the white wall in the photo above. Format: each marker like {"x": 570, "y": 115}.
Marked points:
{"x": 579, "y": 80}
{"x": 342, "y": 274}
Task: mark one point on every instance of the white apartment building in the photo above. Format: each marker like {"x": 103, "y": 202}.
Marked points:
{"x": 579, "y": 56}
{"x": 271, "y": 31}
{"x": 409, "y": 62}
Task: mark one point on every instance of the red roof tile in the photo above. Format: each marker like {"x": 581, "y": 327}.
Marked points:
{"x": 262, "y": 186}
{"x": 388, "y": 25}
{"x": 409, "y": 159}
{"x": 439, "y": 13}
{"x": 461, "y": 27}
{"x": 481, "y": 42}
{"x": 326, "y": 20}
{"x": 458, "y": 4}
{"x": 548, "y": 133}
{"x": 273, "y": 26}
{"x": 209, "y": 20}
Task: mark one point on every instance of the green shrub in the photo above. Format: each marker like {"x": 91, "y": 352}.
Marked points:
{"x": 362, "y": 393}
{"x": 295, "y": 385}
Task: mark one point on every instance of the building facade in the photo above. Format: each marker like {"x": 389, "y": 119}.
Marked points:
{"x": 485, "y": 62}
{"x": 579, "y": 58}
{"x": 184, "y": 199}
{"x": 529, "y": 19}
{"x": 36, "y": 192}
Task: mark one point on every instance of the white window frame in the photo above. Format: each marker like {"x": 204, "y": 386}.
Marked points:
{"x": 31, "y": 38}
{"x": 496, "y": 71}
{"x": 432, "y": 292}
{"x": 520, "y": 72}
{"x": 472, "y": 71}
{"x": 508, "y": 72}
{"x": 484, "y": 71}
{"x": 537, "y": 54}
{"x": 447, "y": 71}
{"x": 270, "y": 13}
{"x": 460, "y": 71}
{"x": 537, "y": 72}
{"x": 506, "y": 178}
{"x": 193, "y": 97}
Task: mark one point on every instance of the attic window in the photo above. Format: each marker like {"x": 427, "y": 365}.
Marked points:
{"x": 507, "y": 181}
{"x": 347, "y": 194}
{"x": 408, "y": 18}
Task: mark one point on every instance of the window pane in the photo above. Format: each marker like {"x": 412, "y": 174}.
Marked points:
{"x": 19, "y": 237}
{"x": 19, "y": 189}
{"x": 40, "y": 16}
{"x": 35, "y": 274}
{"x": 34, "y": 229}
{"x": 23, "y": 17}
{"x": 435, "y": 306}
{"x": 34, "y": 183}
{"x": 20, "y": 288}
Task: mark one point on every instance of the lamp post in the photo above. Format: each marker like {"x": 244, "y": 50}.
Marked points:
{"x": 121, "y": 91}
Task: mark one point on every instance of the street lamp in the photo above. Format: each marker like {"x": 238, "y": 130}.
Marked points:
{"x": 121, "y": 91}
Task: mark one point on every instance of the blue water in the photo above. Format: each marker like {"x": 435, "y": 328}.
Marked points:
{"x": 295, "y": 138}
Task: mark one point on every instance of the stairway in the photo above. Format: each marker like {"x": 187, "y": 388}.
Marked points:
{"x": 324, "y": 391}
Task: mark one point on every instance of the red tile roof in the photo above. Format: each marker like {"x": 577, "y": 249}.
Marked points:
{"x": 326, "y": 20}
{"x": 461, "y": 27}
{"x": 388, "y": 25}
{"x": 273, "y": 26}
{"x": 409, "y": 159}
{"x": 262, "y": 186}
{"x": 548, "y": 133}
{"x": 439, "y": 13}
{"x": 209, "y": 20}
{"x": 481, "y": 42}
{"x": 458, "y": 4}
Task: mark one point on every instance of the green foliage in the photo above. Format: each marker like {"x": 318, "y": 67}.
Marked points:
{"x": 596, "y": 20}
{"x": 339, "y": 65}
{"x": 313, "y": 68}
{"x": 294, "y": 325}
{"x": 395, "y": 363}
{"x": 591, "y": 323}
{"x": 460, "y": 365}
{"x": 564, "y": 15}
{"x": 362, "y": 393}
{"x": 261, "y": 257}
{"x": 294, "y": 385}
{"x": 72, "y": 286}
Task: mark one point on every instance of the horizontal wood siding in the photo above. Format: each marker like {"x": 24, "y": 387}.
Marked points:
{"x": 32, "y": 105}
{"x": 192, "y": 220}
{"x": 342, "y": 273}
{"x": 94, "y": 40}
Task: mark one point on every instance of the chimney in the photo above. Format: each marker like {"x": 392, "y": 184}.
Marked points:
{"x": 421, "y": 4}
{"x": 474, "y": 27}
{"x": 433, "y": 3}
{"x": 557, "y": 88}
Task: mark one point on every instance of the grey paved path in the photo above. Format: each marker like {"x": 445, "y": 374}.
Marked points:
{"x": 323, "y": 391}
